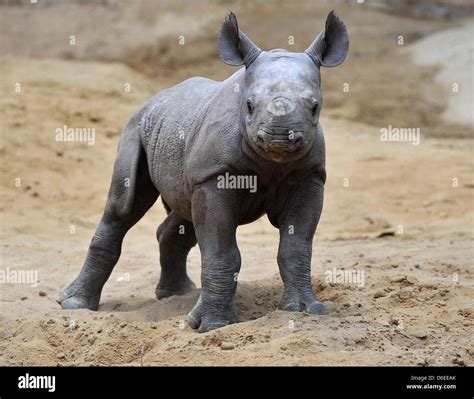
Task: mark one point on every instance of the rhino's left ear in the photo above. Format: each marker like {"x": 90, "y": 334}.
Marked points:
{"x": 330, "y": 48}
{"x": 235, "y": 48}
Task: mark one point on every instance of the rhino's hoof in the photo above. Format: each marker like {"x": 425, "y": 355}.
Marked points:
{"x": 316, "y": 308}
{"x": 164, "y": 291}
{"x": 208, "y": 324}
{"x": 206, "y": 320}
{"x": 68, "y": 301}
{"x": 204, "y": 325}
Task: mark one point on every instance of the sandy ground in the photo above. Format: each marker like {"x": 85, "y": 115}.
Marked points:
{"x": 454, "y": 50}
{"x": 400, "y": 213}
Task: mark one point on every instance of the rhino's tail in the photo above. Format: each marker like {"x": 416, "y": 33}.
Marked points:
{"x": 131, "y": 178}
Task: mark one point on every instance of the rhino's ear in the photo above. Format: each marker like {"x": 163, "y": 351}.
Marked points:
{"x": 235, "y": 48}
{"x": 330, "y": 48}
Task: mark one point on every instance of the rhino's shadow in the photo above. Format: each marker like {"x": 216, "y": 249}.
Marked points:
{"x": 254, "y": 300}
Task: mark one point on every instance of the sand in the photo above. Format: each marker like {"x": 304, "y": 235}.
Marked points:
{"x": 453, "y": 49}
{"x": 400, "y": 213}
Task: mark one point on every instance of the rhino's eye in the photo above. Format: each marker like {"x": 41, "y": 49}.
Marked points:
{"x": 249, "y": 106}
{"x": 314, "y": 108}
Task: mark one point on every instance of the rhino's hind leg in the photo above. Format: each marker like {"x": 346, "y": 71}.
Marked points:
{"x": 131, "y": 194}
{"x": 176, "y": 238}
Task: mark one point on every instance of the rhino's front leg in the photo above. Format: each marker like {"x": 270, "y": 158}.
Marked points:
{"x": 297, "y": 222}
{"x": 215, "y": 219}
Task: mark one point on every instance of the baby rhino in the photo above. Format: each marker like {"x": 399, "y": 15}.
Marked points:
{"x": 197, "y": 144}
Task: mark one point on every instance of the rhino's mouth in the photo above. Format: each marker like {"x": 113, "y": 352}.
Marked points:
{"x": 279, "y": 143}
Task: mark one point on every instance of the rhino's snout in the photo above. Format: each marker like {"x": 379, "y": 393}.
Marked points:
{"x": 281, "y": 133}
{"x": 281, "y": 142}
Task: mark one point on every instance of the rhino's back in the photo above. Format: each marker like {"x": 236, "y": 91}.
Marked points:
{"x": 168, "y": 122}
{"x": 175, "y": 110}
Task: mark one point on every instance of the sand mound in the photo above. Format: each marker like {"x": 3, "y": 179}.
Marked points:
{"x": 453, "y": 51}
{"x": 404, "y": 314}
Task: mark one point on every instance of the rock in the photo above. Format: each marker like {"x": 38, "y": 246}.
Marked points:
{"x": 404, "y": 295}
{"x": 42, "y": 293}
{"x": 73, "y": 324}
{"x": 422, "y": 362}
{"x": 386, "y": 234}
{"x": 398, "y": 279}
{"x": 394, "y": 320}
{"x": 419, "y": 334}
{"x": 459, "y": 362}
{"x": 123, "y": 324}
{"x": 411, "y": 280}
{"x": 429, "y": 286}
{"x": 61, "y": 355}
{"x": 227, "y": 346}
{"x": 330, "y": 306}
{"x": 421, "y": 299}
{"x": 23, "y": 298}
{"x": 379, "y": 294}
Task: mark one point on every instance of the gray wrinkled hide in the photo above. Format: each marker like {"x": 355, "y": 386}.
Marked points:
{"x": 262, "y": 121}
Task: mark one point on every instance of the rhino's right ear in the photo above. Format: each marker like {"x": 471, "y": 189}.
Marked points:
{"x": 235, "y": 48}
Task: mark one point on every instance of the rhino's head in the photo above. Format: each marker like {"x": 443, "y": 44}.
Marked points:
{"x": 281, "y": 99}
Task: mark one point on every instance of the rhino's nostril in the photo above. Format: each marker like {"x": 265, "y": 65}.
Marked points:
{"x": 299, "y": 141}
{"x": 261, "y": 136}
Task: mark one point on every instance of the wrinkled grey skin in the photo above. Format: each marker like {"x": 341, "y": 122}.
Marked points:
{"x": 264, "y": 121}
